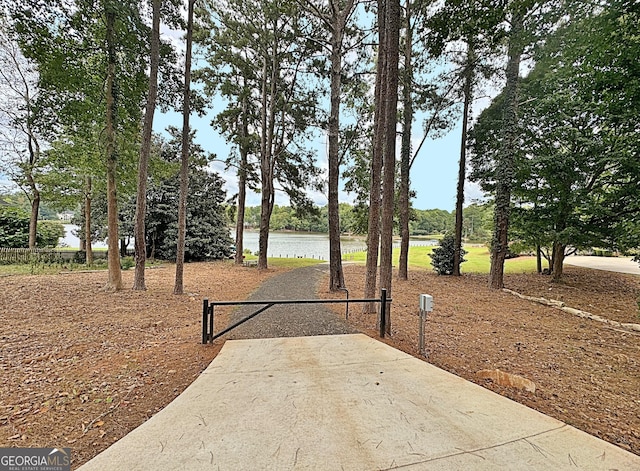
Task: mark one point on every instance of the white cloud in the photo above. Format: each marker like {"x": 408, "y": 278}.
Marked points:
{"x": 473, "y": 194}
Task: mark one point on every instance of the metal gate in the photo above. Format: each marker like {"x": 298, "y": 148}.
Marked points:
{"x": 208, "y": 311}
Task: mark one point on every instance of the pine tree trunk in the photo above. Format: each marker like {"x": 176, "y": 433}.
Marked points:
{"x": 405, "y": 159}
{"x": 373, "y": 232}
{"x": 87, "y": 222}
{"x": 558, "y": 260}
{"x": 336, "y": 276}
{"x": 242, "y": 184}
{"x": 462, "y": 167}
{"x": 114, "y": 281}
{"x": 389, "y": 154}
{"x": 267, "y": 164}
{"x": 184, "y": 161}
{"x": 266, "y": 208}
{"x": 242, "y": 197}
{"x": 140, "y": 246}
{"x": 505, "y": 168}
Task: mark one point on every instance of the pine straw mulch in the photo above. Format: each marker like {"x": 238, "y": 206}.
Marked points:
{"x": 586, "y": 373}
{"x": 80, "y": 367}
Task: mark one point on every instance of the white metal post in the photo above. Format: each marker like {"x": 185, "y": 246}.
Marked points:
{"x": 426, "y": 305}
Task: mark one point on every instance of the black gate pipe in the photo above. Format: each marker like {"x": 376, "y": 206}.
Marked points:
{"x": 240, "y": 322}
{"x": 346, "y": 312}
{"x": 211, "y": 307}
{"x": 383, "y": 312}
{"x": 205, "y": 309}
{"x": 208, "y": 311}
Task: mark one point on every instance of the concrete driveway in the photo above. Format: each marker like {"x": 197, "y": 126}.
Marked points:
{"x": 347, "y": 402}
{"x": 617, "y": 264}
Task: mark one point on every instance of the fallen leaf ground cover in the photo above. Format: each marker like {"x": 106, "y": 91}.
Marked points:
{"x": 586, "y": 373}
{"x": 81, "y": 368}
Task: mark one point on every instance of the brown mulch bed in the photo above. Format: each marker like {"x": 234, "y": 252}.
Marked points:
{"x": 80, "y": 367}
{"x": 586, "y": 372}
{"x": 611, "y": 295}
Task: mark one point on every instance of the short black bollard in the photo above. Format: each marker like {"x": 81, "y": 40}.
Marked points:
{"x": 205, "y": 309}
{"x": 383, "y": 312}
{"x": 346, "y": 312}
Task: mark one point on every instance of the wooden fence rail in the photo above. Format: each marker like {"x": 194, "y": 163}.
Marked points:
{"x": 18, "y": 256}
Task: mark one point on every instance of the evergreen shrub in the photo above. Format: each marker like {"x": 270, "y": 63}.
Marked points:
{"x": 442, "y": 256}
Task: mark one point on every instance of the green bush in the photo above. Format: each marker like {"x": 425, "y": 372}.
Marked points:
{"x": 442, "y": 256}
{"x": 49, "y": 233}
{"x": 14, "y": 230}
{"x": 80, "y": 257}
{"x": 127, "y": 262}
{"x": 14, "y": 227}
{"x": 518, "y": 248}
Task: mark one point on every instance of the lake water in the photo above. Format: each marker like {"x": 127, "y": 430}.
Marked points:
{"x": 300, "y": 244}
{"x": 281, "y": 244}
{"x": 71, "y": 240}
{"x": 309, "y": 245}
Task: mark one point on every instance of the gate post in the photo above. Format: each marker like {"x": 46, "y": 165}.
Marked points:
{"x": 383, "y": 312}
{"x": 205, "y": 308}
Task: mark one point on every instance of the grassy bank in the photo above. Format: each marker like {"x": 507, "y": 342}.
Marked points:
{"x": 477, "y": 260}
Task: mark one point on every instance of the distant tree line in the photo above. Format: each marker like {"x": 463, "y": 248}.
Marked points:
{"x": 476, "y": 228}
{"x": 556, "y": 152}
{"x": 19, "y": 200}
{"x": 208, "y": 233}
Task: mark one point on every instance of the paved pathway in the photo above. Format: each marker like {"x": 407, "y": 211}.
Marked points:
{"x": 347, "y": 402}
{"x": 343, "y": 402}
{"x": 617, "y": 264}
{"x": 291, "y": 320}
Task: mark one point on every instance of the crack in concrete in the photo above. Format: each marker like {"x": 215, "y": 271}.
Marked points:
{"x": 478, "y": 450}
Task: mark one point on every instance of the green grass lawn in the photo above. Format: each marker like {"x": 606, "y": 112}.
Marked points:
{"x": 287, "y": 262}
{"x": 477, "y": 260}
{"x": 293, "y": 262}
{"x": 25, "y": 269}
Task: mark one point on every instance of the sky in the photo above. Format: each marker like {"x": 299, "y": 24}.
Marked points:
{"x": 434, "y": 175}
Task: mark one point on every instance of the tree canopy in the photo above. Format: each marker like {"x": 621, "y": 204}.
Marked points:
{"x": 557, "y": 149}
{"x": 577, "y": 170}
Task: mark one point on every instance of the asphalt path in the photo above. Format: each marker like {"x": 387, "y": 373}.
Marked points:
{"x": 616, "y": 264}
{"x": 289, "y": 320}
